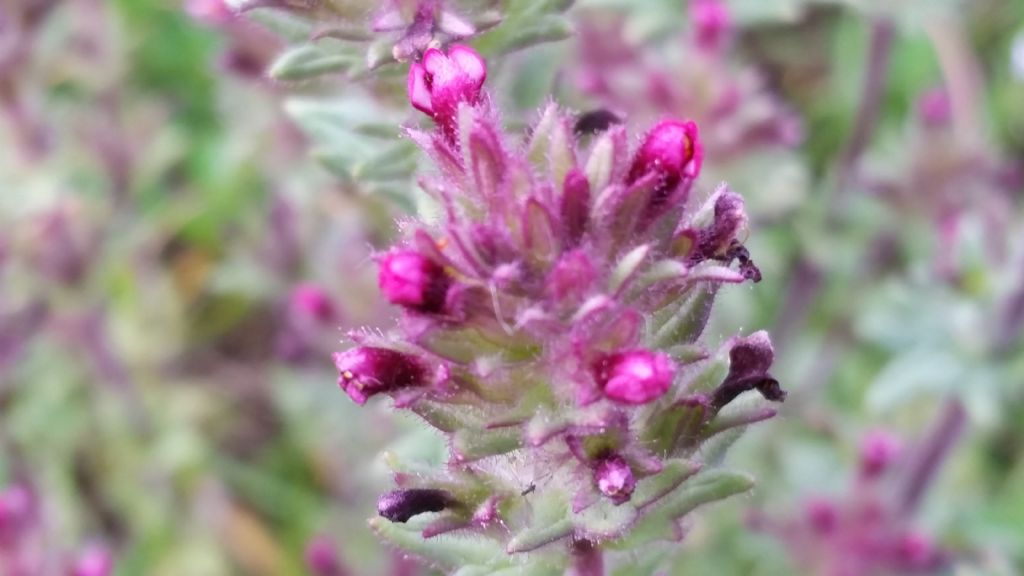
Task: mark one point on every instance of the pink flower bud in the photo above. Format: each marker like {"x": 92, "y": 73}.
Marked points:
{"x": 15, "y": 512}
{"x": 934, "y": 108}
{"x": 367, "y": 371}
{"x": 310, "y": 303}
{"x": 615, "y": 479}
{"x": 672, "y": 152}
{"x": 822, "y": 516}
{"x": 635, "y": 376}
{"x": 411, "y": 280}
{"x": 211, "y": 12}
{"x": 94, "y": 561}
{"x": 440, "y": 82}
{"x": 916, "y": 551}
{"x": 711, "y": 23}
{"x": 322, "y": 558}
{"x": 877, "y": 452}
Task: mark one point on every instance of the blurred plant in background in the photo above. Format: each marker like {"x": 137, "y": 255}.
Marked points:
{"x": 192, "y": 195}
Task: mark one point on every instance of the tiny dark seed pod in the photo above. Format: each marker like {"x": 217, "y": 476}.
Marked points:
{"x": 595, "y": 121}
{"x": 401, "y": 505}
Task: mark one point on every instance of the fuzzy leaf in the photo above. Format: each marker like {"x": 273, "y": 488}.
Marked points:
{"x": 538, "y": 535}
{"x": 470, "y": 444}
{"x": 687, "y": 322}
{"x": 450, "y": 551}
{"x": 627, "y": 268}
{"x": 651, "y": 489}
{"x": 308, "y": 61}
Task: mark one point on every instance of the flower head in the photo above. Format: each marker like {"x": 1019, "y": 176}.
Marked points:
{"x": 366, "y": 371}
{"x": 635, "y": 376}
{"x": 440, "y": 82}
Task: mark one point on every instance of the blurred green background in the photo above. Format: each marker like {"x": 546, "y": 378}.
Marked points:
{"x": 169, "y": 212}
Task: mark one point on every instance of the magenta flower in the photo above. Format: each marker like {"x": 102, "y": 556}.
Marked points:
{"x": 671, "y": 156}
{"x": 934, "y": 108}
{"x": 322, "y": 558}
{"x": 310, "y": 303}
{"x": 368, "y": 371}
{"x": 712, "y": 23}
{"x": 413, "y": 281}
{"x": 615, "y": 479}
{"x": 440, "y": 82}
{"x": 635, "y": 376}
{"x": 878, "y": 451}
{"x": 212, "y": 12}
{"x": 93, "y": 561}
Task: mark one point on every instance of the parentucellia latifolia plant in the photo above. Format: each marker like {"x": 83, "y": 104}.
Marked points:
{"x": 550, "y": 330}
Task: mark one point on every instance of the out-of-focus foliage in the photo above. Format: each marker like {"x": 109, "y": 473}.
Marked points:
{"x": 188, "y": 212}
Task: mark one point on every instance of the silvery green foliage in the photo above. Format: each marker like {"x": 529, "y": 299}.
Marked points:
{"x": 354, "y": 134}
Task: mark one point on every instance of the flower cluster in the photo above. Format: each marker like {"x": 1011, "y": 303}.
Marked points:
{"x": 865, "y": 532}
{"x": 550, "y": 329}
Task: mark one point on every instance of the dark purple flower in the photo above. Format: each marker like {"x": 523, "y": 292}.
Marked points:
{"x": 367, "y": 371}
{"x": 401, "y": 505}
{"x": 749, "y": 361}
{"x": 615, "y": 478}
{"x": 440, "y": 82}
{"x": 635, "y": 376}
{"x": 411, "y": 280}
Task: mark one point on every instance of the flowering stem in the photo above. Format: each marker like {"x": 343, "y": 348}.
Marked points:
{"x": 879, "y": 55}
{"x": 587, "y": 559}
{"x": 807, "y": 279}
{"x": 932, "y": 453}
